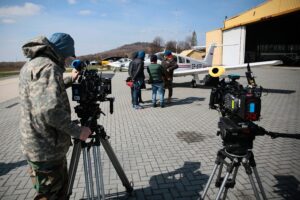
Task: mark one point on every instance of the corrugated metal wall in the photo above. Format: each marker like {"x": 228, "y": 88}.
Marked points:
{"x": 271, "y": 8}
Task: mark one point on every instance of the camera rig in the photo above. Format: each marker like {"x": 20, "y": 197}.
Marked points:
{"x": 239, "y": 106}
{"x": 93, "y": 87}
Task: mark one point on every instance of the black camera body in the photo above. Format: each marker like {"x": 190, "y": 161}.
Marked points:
{"x": 239, "y": 106}
{"x": 233, "y": 99}
{"x": 92, "y": 86}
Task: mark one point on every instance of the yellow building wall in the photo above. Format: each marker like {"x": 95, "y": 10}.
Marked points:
{"x": 271, "y": 8}
{"x": 215, "y": 36}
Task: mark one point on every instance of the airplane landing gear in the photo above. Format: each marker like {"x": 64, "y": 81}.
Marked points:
{"x": 193, "y": 83}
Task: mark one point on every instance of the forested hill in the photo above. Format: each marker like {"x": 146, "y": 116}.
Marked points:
{"x": 123, "y": 51}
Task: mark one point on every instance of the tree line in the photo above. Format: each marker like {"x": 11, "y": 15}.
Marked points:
{"x": 158, "y": 44}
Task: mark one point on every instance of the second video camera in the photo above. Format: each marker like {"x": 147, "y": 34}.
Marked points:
{"x": 232, "y": 99}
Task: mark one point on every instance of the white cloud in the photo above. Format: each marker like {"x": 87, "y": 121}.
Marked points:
{"x": 28, "y": 9}
{"x": 72, "y": 1}
{"x": 85, "y": 12}
{"x": 8, "y": 21}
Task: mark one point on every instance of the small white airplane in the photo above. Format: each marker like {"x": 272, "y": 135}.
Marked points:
{"x": 120, "y": 65}
{"x": 188, "y": 66}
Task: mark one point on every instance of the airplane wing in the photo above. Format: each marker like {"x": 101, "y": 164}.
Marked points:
{"x": 178, "y": 73}
{"x": 190, "y": 72}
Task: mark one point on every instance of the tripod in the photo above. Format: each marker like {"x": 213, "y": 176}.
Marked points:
{"x": 226, "y": 182}
{"x": 89, "y": 113}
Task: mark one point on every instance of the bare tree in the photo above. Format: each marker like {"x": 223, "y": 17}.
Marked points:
{"x": 156, "y": 45}
{"x": 171, "y": 45}
{"x": 183, "y": 45}
{"x": 188, "y": 40}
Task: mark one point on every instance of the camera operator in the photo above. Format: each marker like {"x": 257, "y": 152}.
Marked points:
{"x": 46, "y": 127}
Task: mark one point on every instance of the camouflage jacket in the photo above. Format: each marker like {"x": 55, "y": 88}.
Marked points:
{"x": 169, "y": 66}
{"x": 46, "y": 127}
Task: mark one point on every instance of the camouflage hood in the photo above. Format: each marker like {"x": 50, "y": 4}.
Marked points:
{"x": 40, "y": 46}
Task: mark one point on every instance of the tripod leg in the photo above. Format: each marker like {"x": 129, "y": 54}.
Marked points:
{"x": 86, "y": 173}
{"x": 254, "y": 186}
{"x": 259, "y": 183}
{"x": 90, "y": 171}
{"x": 73, "y": 166}
{"x": 223, "y": 185}
{"x": 113, "y": 158}
{"x": 209, "y": 181}
{"x": 249, "y": 172}
{"x": 233, "y": 182}
{"x": 98, "y": 173}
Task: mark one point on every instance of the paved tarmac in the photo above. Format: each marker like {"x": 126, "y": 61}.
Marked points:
{"x": 169, "y": 153}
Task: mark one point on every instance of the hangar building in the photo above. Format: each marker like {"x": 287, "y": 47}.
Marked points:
{"x": 267, "y": 32}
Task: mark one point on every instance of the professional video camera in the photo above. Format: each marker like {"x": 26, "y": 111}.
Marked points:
{"x": 232, "y": 99}
{"x": 240, "y": 106}
{"x": 92, "y": 85}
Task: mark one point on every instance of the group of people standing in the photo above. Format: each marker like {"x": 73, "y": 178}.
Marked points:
{"x": 160, "y": 77}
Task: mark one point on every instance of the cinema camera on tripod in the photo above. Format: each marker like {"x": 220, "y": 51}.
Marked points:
{"x": 91, "y": 88}
{"x": 239, "y": 106}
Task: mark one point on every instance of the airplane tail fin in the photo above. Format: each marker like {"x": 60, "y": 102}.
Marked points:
{"x": 209, "y": 55}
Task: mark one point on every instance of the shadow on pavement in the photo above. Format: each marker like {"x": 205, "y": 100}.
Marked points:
{"x": 184, "y": 183}
{"x": 7, "y": 167}
{"x": 288, "y": 187}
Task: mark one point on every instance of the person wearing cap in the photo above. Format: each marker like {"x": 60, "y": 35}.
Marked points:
{"x": 136, "y": 72}
{"x": 156, "y": 75}
{"x": 169, "y": 64}
{"x": 45, "y": 126}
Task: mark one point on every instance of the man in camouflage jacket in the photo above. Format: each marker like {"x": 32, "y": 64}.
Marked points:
{"x": 169, "y": 64}
{"x": 46, "y": 127}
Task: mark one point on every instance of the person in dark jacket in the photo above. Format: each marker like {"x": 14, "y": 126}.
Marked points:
{"x": 169, "y": 64}
{"x": 46, "y": 127}
{"x": 156, "y": 76}
{"x": 133, "y": 56}
{"x": 137, "y": 74}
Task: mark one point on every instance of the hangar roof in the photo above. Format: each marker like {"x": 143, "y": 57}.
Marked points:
{"x": 264, "y": 11}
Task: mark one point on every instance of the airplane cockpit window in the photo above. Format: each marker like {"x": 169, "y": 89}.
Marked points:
{"x": 181, "y": 59}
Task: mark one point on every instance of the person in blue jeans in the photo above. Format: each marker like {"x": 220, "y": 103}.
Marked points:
{"x": 137, "y": 75}
{"x": 156, "y": 76}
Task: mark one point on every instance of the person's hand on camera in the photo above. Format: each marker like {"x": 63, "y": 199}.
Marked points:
{"x": 85, "y": 133}
{"x": 75, "y": 74}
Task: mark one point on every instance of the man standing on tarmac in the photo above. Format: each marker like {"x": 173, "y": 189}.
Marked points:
{"x": 46, "y": 127}
{"x": 156, "y": 75}
{"x": 169, "y": 64}
{"x": 138, "y": 76}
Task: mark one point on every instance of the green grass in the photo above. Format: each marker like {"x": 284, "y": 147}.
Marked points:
{"x": 8, "y": 73}
{"x": 5, "y": 73}
{"x": 98, "y": 67}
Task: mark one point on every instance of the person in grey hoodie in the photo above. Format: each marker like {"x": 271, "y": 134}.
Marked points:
{"x": 45, "y": 126}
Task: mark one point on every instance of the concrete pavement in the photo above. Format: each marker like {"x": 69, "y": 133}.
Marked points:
{"x": 169, "y": 153}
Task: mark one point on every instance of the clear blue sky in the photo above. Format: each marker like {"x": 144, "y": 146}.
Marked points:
{"x": 99, "y": 25}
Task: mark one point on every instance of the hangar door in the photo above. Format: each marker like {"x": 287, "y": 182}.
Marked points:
{"x": 276, "y": 38}
{"x": 234, "y": 46}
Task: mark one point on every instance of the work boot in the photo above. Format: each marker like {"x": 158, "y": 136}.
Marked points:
{"x": 169, "y": 100}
